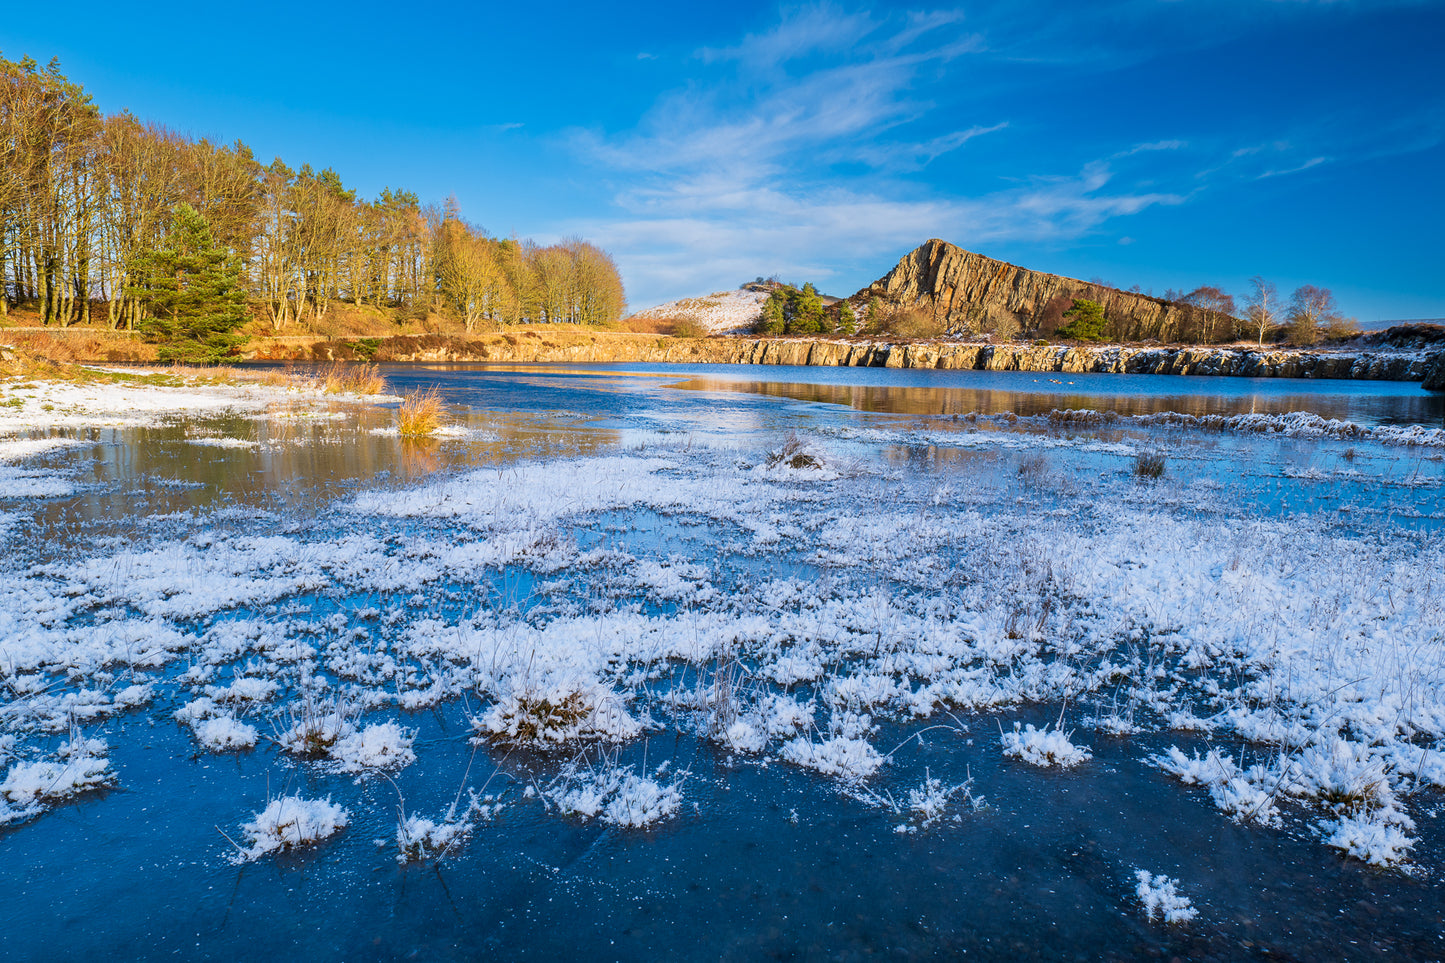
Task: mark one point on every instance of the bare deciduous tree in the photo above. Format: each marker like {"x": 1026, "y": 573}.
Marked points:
{"x": 1262, "y": 307}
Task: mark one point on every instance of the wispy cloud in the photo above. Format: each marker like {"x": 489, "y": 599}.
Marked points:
{"x": 789, "y": 152}
{"x": 1312, "y": 162}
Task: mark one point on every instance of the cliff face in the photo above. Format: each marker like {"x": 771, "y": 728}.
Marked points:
{"x": 1113, "y": 359}
{"x": 531, "y": 347}
{"x": 968, "y": 291}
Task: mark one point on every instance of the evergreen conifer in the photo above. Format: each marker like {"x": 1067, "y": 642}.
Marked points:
{"x": 193, "y": 294}
{"x": 1088, "y": 321}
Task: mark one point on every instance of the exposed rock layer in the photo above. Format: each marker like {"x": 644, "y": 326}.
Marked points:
{"x": 1434, "y": 376}
{"x": 530, "y": 347}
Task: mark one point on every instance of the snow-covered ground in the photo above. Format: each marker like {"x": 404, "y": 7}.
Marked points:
{"x": 1285, "y": 665}
{"x": 722, "y": 312}
{"x": 27, "y": 405}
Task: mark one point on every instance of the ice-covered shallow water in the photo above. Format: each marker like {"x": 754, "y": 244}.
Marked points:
{"x": 761, "y": 652}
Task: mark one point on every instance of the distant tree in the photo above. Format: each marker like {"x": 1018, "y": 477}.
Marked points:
{"x": 1003, "y": 322}
{"x": 808, "y": 315}
{"x": 1216, "y": 311}
{"x": 1341, "y": 327}
{"x": 791, "y": 310}
{"x": 599, "y": 297}
{"x": 774, "y": 319}
{"x": 1313, "y": 312}
{"x": 1088, "y": 321}
{"x": 468, "y": 275}
{"x": 847, "y": 320}
{"x": 192, "y": 293}
{"x": 1262, "y": 307}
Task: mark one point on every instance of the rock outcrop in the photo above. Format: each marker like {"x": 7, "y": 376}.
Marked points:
{"x": 1434, "y": 375}
{"x": 965, "y": 291}
{"x": 1078, "y": 359}
{"x": 531, "y": 347}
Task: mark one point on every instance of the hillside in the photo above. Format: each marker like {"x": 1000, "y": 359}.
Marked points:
{"x": 722, "y": 312}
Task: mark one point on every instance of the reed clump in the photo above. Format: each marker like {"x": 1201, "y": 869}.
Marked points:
{"x": 356, "y": 379}
{"x": 420, "y": 413}
{"x": 1149, "y": 464}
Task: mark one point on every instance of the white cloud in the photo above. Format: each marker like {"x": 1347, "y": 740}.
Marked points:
{"x": 788, "y": 153}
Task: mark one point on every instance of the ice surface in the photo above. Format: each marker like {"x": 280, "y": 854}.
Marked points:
{"x": 845, "y": 592}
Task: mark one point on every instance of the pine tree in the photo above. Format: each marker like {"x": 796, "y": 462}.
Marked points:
{"x": 1088, "y": 321}
{"x": 774, "y": 319}
{"x": 847, "y": 320}
{"x": 808, "y": 315}
{"x": 192, "y": 292}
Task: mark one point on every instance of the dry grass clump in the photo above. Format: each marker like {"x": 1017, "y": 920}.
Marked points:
{"x": 312, "y": 727}
{"x": 531, "y": 720}
{"x": 16, "y": 362}
{"x": 912, "y": 322}
{"x": 342, "y": 377}
{"x": 272, "y": 377}
{"x": 650, "y": 324}
{"x": 1149, "y": 464}
{"x": 420, "y": 413}
{"x": 688, "y": 328}
{"x": 795, "y": 453}
{"x": 1033, "y": 469}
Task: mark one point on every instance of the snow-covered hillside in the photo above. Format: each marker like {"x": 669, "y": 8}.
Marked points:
{"x": 717, "y": 313}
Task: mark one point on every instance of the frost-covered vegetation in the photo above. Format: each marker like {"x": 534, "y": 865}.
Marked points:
{"x": 807, "y": 604}
{"x": 1161, "y": 898}
{"x": 289, "y": 823}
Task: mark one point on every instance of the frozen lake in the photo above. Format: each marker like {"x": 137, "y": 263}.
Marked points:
{"x": 731, "y": 661}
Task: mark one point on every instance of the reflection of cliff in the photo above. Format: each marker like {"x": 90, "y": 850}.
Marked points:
{"x": 533, "y": 347}
{"x": 910, "y": 400}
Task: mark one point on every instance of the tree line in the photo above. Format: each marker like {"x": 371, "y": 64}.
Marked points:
{"x": 1210, "y": 316}
{"x": 93, "y": 206}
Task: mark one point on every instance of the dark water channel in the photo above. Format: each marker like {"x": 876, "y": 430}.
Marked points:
{"x": 764, "y": 861}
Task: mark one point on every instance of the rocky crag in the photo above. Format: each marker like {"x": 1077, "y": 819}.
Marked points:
{"x": 965, "y": 291}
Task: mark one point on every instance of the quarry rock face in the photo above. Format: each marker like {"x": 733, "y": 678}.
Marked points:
{"x": 944, "y": 355}
{"x": 967, "y": 292}
{"x": 1434, "y": 377}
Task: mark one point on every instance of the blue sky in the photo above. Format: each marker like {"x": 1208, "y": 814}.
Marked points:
{"x": 1166, "y": 143}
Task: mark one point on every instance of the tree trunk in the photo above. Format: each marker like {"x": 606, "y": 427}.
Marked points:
{"x": 49, "y": 295}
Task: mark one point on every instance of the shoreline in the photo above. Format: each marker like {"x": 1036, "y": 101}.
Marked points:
{"x": 533, "y": 347}
{"x": 542, "y": 344}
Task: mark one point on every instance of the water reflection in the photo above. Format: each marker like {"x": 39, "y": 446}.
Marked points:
{"x": 612, "y": 391}
{"x": 285, "y": 464}
{"x": 1039, "y": 397}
